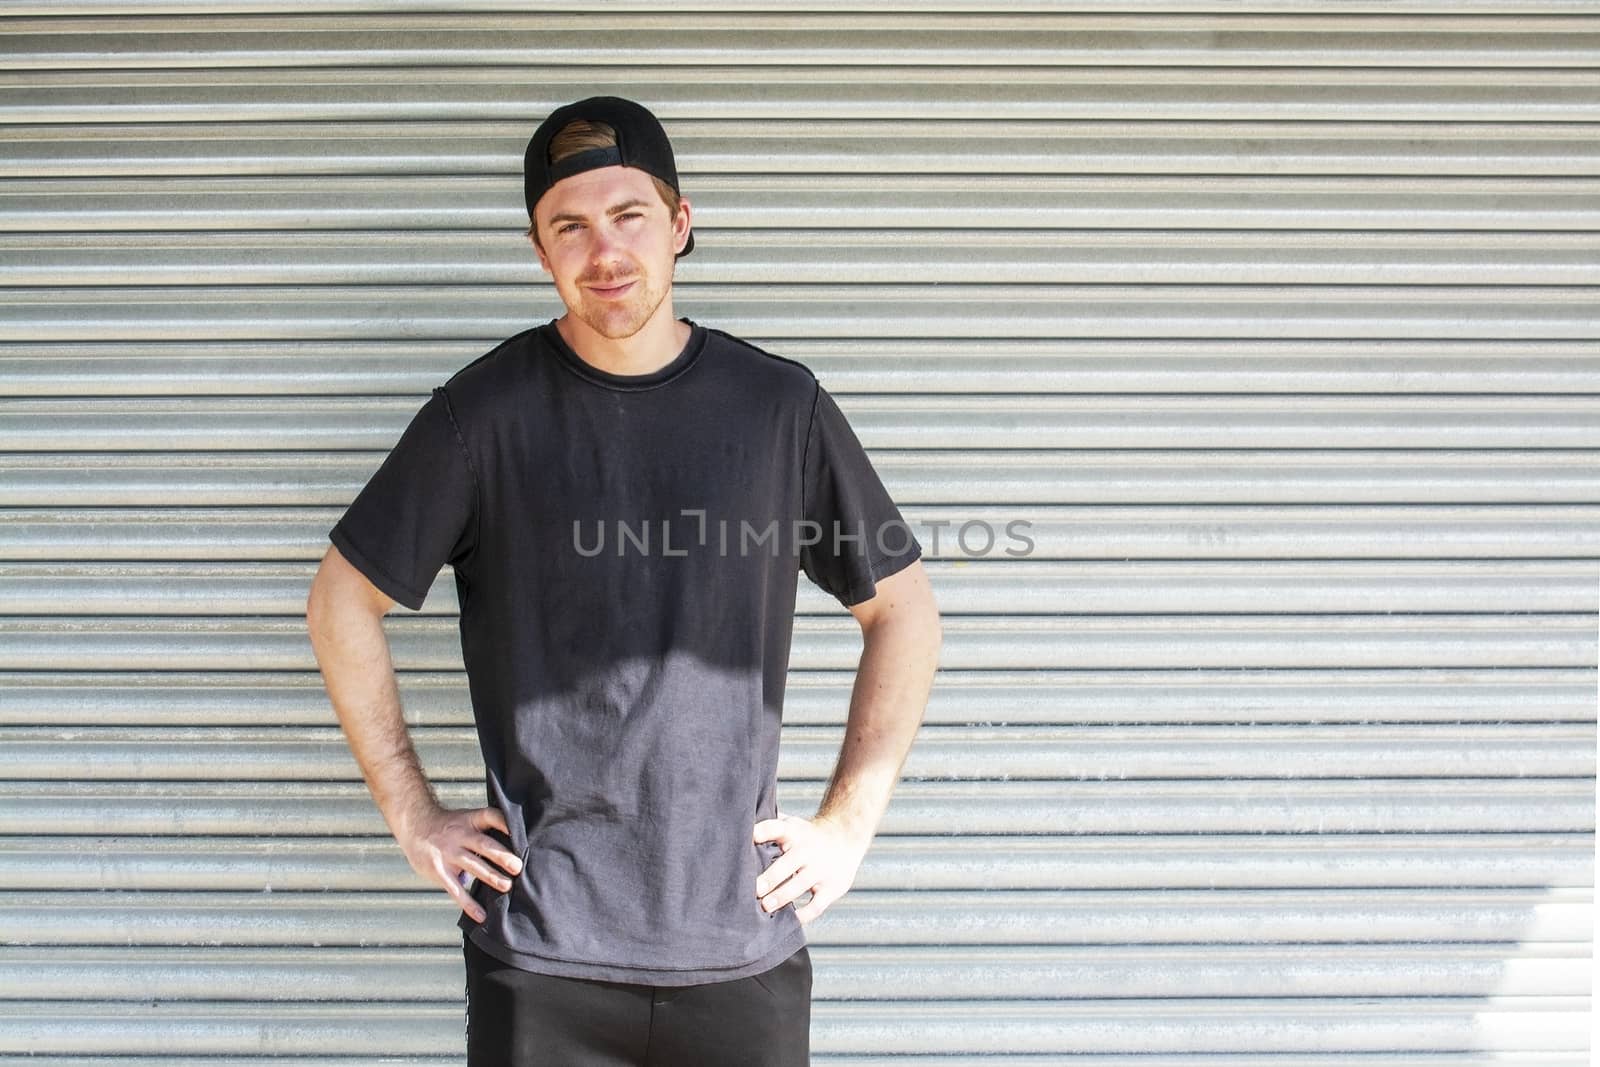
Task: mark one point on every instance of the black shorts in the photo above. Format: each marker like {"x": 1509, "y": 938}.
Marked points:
{"x": 517, "y": 1018}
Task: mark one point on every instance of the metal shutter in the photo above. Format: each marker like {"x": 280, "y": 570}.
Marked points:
{"x": 1277, "y": 321}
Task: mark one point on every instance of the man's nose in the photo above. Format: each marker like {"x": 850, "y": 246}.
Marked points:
{"x": 602, "y": 246}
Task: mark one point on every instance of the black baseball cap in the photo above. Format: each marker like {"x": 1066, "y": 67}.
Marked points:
{"x": 641, "y": 143}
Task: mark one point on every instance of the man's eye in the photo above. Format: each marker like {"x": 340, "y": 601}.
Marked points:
{"x": 630, "y": 215}
{"x": 568, "y": 227}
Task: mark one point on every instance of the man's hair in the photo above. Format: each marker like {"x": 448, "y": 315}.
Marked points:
{"x": 580, "y": 135}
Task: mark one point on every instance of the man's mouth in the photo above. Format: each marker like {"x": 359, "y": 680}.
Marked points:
{"x": 612, "y": 288}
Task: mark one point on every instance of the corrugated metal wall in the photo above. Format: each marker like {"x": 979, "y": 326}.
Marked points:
{"x": 1277, "y": 321}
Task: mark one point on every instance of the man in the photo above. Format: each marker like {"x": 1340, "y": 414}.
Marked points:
{"x": 626, "y": 499}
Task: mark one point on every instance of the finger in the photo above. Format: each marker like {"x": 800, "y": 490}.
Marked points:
{"x": 491, "y": 818}
{"x": 489, "y": 847}
{"x": 782, "y": 869}
{"x": 462, "y": 898}
{"x": 478, "y": 868}
{"x": 813, "y": 907}
{"x": 781, "y": 830}
{"x": 797, "y": 886}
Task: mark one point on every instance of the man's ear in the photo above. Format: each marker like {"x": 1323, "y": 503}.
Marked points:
{"x": 544, "y": 260}
{"x": 682, "y": 222}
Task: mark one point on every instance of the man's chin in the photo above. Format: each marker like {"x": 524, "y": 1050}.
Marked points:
{"x": 615, "y": 328}
{"x": 618, "y": 324}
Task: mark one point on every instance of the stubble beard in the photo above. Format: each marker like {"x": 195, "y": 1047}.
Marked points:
{"x": 620, "y": 319}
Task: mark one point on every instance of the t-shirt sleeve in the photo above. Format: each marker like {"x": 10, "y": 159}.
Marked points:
{"x": 860, "y": 534}
{"x": 417, "y": 512}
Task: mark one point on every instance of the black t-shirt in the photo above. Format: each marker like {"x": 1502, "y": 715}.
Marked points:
{"x": 626, "y": 551}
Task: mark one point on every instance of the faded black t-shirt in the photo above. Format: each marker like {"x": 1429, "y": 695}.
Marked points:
{"x": 626, "y": 551}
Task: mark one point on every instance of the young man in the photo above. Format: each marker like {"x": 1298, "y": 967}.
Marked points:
{"x": 626, "y": 499}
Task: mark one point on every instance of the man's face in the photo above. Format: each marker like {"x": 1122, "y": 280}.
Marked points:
{"x": 610, "y": 244}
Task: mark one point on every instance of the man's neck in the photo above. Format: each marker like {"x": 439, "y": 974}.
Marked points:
{"x": 656, "y": 344}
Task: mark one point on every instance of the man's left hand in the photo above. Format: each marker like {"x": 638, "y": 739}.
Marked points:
{"x": 820, "y": 857}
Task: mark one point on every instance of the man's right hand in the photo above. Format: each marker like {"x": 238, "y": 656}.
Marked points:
{"x": 444, "y": 843}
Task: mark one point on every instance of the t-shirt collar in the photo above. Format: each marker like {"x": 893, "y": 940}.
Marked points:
{"x": 626, "y": 382}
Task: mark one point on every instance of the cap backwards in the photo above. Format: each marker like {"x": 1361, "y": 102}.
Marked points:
{"x": 641, "y": 143}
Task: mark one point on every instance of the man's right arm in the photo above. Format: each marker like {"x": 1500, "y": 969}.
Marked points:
{"x": 344, "y": 616}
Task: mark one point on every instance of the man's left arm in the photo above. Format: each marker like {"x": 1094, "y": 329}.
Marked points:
{"x": 901, "y": 637}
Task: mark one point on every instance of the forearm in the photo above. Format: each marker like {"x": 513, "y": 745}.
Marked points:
{"x": 352, "y": 652}
{"x": 893, "y": 679}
